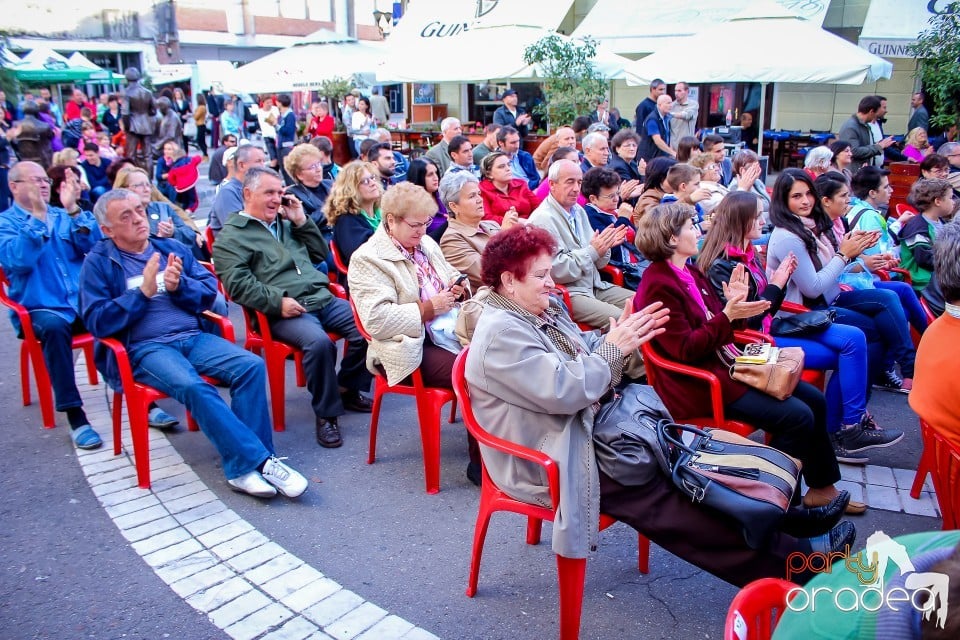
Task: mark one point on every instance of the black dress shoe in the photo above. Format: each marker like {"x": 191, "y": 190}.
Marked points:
{"x": 328, "y": 433}
{"x": 354, "y": 401}
{"x": 808, "y": 522}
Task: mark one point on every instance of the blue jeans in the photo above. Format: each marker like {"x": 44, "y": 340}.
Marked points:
{"x": 241, "y": 432}
{"x": 309, "y": 332}
{"x": 909, "y": 301}
{"x": 842, "y": 349}
{"x": 879, "y": 314}
{"x": 56, "y": 341}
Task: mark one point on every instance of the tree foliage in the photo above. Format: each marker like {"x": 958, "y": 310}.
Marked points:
{"x": 938, "y": 49}
{"x": 571, "y": 84}
{"x": 8, "y": 82}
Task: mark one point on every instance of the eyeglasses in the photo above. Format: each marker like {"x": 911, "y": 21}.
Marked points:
{"x": 316, "y": 166}
{"x": 138, "y": 185}
{"x": 417, "y": 226}
{"x": 35, "y": 180}
{"x": 612, "y": 197}
{"x": 367, "y": 180}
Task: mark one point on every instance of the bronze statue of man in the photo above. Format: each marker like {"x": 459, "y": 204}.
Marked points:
{"x": 139, "y": 119}
{"x": 34, "y": 142}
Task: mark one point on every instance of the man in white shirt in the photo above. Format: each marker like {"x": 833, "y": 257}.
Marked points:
{"x": 267, "y": 115}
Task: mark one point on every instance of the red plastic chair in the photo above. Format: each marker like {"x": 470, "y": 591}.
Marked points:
{"x": 943, "y": 456}
{"x": 926, "y": 310}
{"x": 31, "y": 353}
{"x": 565, "y": 294}
{"x": 902, "y": 208}
{"x": 208, "y": 236}
{"x": 430, "y": 401}
{"x": 655, "y": 361}
{"x": 570, "y": 571}
{"x": 616, "y": 274}
{"x": 259, "y": 339}
{"x": 139, "y": 396}
{"x": 337, "y": 260}
{"x": 756, "y": 609}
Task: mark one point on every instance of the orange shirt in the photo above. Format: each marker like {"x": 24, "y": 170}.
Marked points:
{"x": 936, "y": 378}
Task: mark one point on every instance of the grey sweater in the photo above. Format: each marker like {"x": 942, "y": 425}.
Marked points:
{"x": 806, "y": 283}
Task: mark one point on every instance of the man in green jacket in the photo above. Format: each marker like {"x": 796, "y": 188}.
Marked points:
{"x": 264, "y": 256}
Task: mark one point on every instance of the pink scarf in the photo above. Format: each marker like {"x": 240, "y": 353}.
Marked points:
{"x": 749, "y": 259}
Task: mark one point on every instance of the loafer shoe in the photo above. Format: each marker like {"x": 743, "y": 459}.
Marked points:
{"x": 852, "y": 508}
{"x": 815, "y": 521}
{"x": 288, "y": 481}
{"x": 253, "y": 483}
{"x": 328, "y": 433}
{"x": 355, "y": 401}
{"x": 160, "y": 419}
{"x": 84, "y": 437}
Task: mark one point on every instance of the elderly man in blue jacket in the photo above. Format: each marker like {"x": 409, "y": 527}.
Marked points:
{"x": 41, "y": 251}
{"x": 150, "y": 294}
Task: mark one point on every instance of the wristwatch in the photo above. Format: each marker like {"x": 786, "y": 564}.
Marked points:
{"x": 845, "y": 259}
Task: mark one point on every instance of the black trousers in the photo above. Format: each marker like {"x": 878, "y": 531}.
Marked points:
{"x": 798, "y": 426}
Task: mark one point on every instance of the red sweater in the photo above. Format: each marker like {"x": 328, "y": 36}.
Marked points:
{"x": 690, "y": 339}
{"x": 935, "y": 377}
{"x": 496, "y": 202}
{"x": 321, "y": 127}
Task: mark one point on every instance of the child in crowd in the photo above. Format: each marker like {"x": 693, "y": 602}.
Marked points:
{"x": 934, "y": 200}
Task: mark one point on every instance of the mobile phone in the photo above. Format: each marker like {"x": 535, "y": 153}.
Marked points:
{"x": 286, "y": 200}
{"x": 459, "y": 281}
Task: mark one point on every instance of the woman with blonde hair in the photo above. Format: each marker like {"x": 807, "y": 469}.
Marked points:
{"x": 353, "y": 208}
{"x": 70, "y": 157}
{"x": 917, "y": 145}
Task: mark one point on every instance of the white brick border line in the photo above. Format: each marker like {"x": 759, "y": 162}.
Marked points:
{"x": 215, "y": 560}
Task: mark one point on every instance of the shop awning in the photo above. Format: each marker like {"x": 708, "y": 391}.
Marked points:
{"x": 499, "y": 57}
{"x": 644, "y": 26}
{"x": 304, "y": 67}
{"x": 468, "y": 41}
{"x": 893, "y": 25}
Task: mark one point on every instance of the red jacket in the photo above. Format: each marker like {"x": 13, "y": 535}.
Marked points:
{"x": 496, "y": 203}
{"x": 321, "y": 127}
{"x": 690, "y": 339}
{"x": 71, "y": 110}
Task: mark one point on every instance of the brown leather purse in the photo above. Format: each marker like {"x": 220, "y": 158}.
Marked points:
{"x": 777, "y": 377}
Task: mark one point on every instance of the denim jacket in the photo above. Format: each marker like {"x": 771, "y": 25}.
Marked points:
{"x": 43, "y": 262}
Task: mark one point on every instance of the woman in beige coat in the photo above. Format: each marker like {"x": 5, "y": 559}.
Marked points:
{"x": 404, "y": 289}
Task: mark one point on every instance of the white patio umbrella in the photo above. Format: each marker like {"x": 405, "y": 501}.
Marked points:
{"x": 305, "y": 65}
{"x": 777, "y": 46}
{"x": 477, "y": 55}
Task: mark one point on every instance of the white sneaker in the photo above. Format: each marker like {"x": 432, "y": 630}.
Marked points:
{"x": 287, "y": 481}
{"x": 253, "y": 484}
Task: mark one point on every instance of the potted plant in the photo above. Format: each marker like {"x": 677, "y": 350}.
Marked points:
{"x": 571, "y": 84}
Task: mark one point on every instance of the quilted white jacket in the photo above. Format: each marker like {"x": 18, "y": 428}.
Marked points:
{"x": 384, "y": 288}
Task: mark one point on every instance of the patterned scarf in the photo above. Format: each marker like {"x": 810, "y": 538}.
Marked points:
{"x": 749, "y": 259}
{"x": 546, "y": 321}
{"x": 428, "y": 280}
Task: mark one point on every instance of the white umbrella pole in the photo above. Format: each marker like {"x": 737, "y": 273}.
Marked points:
{"x": 760, "y": 118}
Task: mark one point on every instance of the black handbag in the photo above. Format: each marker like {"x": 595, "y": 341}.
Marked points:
{"x": 803, "y": 324}
{"x": 625, "y": 436}
{"x": 747, "y": 481}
